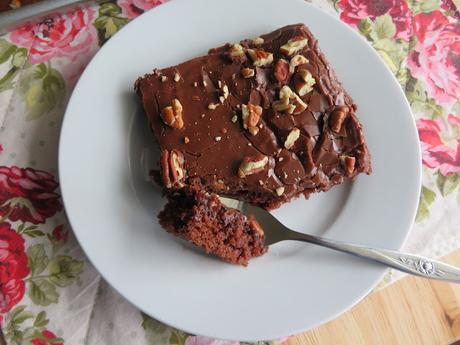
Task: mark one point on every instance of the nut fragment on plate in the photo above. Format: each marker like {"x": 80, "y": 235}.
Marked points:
{"x": 251, "y": 115}
{"x": 282, "y": 71}
{"x": 304, "y": 82}
{"x": 279, "y": 191}
{"x": 293, "y": 46}
{"x": 289, "y": 102}
{"x": 252, "y": 165}
{"x": 172, "y": 115}
{"x": 248, "y": 72}
{"x": 292, "y": 137}
{"x": 337, "y": 118}
{"x": 260, "y": 57}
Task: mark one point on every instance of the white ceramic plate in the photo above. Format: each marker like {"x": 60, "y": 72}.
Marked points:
{"x": 106, "y": 149}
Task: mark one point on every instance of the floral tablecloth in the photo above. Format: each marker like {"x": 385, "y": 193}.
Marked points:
{"x": 49, "y": 292}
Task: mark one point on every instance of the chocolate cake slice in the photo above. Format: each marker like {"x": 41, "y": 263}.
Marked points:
{"x": 263, "y": 120}
{"x": 200, "y": 217}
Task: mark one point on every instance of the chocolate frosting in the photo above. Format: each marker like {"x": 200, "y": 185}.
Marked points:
{"x": 214, "y": 140}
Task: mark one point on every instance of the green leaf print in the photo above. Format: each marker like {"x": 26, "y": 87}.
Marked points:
{"x": 177, "y": 337}
{"x": 366, "y": 27}
{"x": 38, "y": 260}
{"x": 447, "y": 184}
{"x": 6, "y": 50}
{"x": 43, "y": 89}
{"x": 155, "y": 331}
{"x": 456, "y": 109}
{"x": 41, "y": 320}
{"x": 16, "y": 58}
{"x": 419, "y": 100}
{"x": 64, "y": 270}
{"x": 109, "y": 21}
{"x": 425, "y": 6}
{"x": 427, "y": 197}
{"x": 392, "y": 52}
{"x": 384, "y": 27}
{"x": 19, "y": 315}
{"x": 42, "y": 292}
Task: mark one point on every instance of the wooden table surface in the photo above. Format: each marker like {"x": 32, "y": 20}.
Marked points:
{"x": 412, "y": 311}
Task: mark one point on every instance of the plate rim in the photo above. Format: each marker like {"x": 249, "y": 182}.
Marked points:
{"x": 340, "y": 311}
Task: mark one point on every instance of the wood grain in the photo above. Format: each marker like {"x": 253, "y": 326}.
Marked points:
{"x": 412, "y": 311}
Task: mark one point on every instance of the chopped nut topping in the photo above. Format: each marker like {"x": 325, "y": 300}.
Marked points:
{"x": 294, "y": 45}
{"x": 261, "y": 182}
{"x": 251, "y": 115}
{"x": 292, "y": 137}
{"x": 304, "y": 82}
{"x": 236, "y": 51}
{"x": 252, "y": 165}
{"x": 205, "y": 83}
{"x": 176, "y": 77}
{"x": 248, "y": 72}
{"x": 280, "y": 191}
{"x": 258, "y": 40}
{"x": 172, "y": 164}
{"x": 260, "y": 57}
{"x": 212, "y": 106}
{"x": 225, "y": 91}
{"x": 297, "y": 61}
{"x": 186, "y": 140}
{"x": 289, "y": 102}
{"x": 281, "y": 71}
{"x": 234, "y": 118}
{"x": 177, "y": 163}
{"x": 172, "y": 115}
{"x": 348, "y": 163}
{"x": 218, "y": 138}
{"x": 337, "y": 118}
{"x": 221, "y": 99}
{"x": 195, "y": 84}
{"x": 164, "y": 78}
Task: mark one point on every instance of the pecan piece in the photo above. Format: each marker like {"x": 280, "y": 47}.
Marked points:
{"x": 337, "y": 118}
{"x": 172, "y": 164}
{"x": 260, "y": 57}
{"x": 248, "y": 72}
{"x": 292, "y": 137}
{"x": 281, "y": 71}
{"x": 304, "y": 82}
{"x": 348, "y": 163}
{"x": 294, "y": 45}
{"x": 251, "y": 115}
{"x": 172, "y": 115}
{"x": 176, "y": 165}
{"x": 252, "y": 165}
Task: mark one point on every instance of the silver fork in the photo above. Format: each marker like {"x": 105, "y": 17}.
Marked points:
{"x": 418, "y": 265}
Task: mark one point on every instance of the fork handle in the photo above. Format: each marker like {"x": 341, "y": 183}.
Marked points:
{"x": 409, "y": 263}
